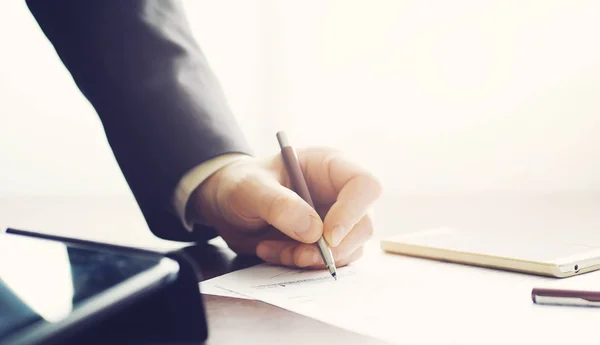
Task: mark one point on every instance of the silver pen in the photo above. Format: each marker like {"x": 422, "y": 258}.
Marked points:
{"x": 294, "y": 169}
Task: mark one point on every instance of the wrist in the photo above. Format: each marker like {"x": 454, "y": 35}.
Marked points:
{"x": 204, "y": 199}
{"x": 207, "y": 197}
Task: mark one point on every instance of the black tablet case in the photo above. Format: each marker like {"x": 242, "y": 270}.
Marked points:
{"x": 172, "y": 315}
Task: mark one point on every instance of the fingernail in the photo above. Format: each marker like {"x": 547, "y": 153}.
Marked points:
{"x": 337, "y": 234}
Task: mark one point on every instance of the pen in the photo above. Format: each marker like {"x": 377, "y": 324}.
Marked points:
{"x": 566, "y": 297}
{"x": 294, "y": 169}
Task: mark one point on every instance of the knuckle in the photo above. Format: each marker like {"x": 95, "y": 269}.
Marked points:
{"x": 335, "y": 252}
{"x": 378, "y": 185}
{"x": 278, "y": 204}
{"x": 369, "y": 226}
{"x": 297, "y": 256}
{"x": 369, "y": 232}
{"x": 287, "y": 256}
{"x": 250, "y": 183}
{"x": 245, "y": 188}
{"x": 374, "y": 185}
{"x": 358, "y": 253}
{"x": 239, "y": 198}
{"x": 272, "y": 204}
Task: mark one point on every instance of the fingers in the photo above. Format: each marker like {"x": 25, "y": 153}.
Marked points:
{"x": 360, "y": 233}
{"x": 359, "y": 190}
{"x": 280, "y": 207}
{"x": 294, "y": 254}
{"x": 357, "y": 254}
{"x": 288, "y": 253}
{"x": 291, "y": 254}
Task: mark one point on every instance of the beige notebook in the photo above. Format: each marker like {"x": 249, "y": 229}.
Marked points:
{"x": 528, "y": 255}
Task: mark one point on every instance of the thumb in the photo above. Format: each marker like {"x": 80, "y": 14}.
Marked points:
{"x": 284, "y": 209}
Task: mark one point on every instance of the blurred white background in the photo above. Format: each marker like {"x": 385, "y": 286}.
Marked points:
{"x": 433, "y": 96}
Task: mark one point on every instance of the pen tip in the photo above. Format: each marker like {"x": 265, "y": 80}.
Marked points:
{"x": 334, "y": 275}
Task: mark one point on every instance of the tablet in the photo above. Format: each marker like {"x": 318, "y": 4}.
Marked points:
{"x": 50, "y": 290}
{"x": 527, "y": 255}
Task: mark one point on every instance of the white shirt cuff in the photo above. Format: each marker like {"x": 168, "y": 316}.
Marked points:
{"x": 192, "y": 179}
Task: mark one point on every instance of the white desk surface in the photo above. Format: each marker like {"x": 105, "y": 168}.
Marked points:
{"x": 449, "y": 303}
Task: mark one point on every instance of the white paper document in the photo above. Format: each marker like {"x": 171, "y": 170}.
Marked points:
{"x": 416, "y": 301}
{"x": 209, "y": 288}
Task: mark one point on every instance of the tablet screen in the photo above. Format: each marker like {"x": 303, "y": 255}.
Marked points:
{"x": 44, "y": 281}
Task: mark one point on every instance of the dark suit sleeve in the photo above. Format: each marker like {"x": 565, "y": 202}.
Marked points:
{"x": 162, "y": 109}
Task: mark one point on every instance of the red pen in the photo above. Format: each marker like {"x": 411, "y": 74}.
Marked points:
{"x": 566, "y": 297}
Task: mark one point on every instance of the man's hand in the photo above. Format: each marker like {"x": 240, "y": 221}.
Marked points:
{"x": 253, "y": 207}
